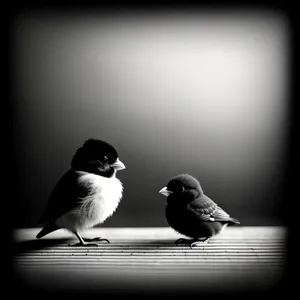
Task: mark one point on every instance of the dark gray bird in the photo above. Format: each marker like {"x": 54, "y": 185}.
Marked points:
{"x": 87, "y": 194}
{"x": 190, "y": 212}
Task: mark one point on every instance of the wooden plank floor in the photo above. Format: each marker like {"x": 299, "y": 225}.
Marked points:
{"x": 145, "y": 259}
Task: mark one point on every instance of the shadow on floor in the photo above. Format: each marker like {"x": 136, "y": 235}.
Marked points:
{"x": 36, "y": 244}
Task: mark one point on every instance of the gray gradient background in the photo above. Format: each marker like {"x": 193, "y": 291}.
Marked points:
{"x": 203, "y": 93}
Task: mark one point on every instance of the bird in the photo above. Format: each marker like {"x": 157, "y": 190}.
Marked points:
{"x": 191, "y": 213}
{"x": 86, "y": 194}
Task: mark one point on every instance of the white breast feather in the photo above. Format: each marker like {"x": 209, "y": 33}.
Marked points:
{"x": 101, "y": 202}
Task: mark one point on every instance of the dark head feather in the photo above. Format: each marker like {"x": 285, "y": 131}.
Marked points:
{"x": 186, "y": 181}
{"x": 93, "y": 149}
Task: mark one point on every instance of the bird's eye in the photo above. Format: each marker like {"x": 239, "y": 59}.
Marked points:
{"x": 105, "y": 159}
{"x": 177, "y": 189}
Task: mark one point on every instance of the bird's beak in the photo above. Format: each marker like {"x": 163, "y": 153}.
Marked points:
{"x": 118, "y": 165}
{"x": 164, "y": 191}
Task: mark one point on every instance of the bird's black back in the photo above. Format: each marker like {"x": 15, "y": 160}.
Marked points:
{"x": 65, "y": 196}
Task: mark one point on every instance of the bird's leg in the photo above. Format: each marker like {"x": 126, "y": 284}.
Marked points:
{"x": 82, "y": 243}
{"x": 96, "y": 239}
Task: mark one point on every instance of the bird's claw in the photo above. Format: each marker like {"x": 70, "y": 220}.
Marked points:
{"x": 83, "y": 245}
{"x": 193, "y": 242}
{"x": 199, "y": 243}
{"x": 96, "y": 239}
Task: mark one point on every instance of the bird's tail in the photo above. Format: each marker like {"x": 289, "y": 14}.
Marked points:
{"x": 234, "y": 221}
{"x": 49, "y": 227}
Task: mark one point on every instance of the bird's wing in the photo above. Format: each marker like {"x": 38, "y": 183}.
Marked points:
{"x": 203, "y": 207}
{"x": 220, "y": 215}
{"x": 66, "y": 196}
{"x": 207, "y": 210}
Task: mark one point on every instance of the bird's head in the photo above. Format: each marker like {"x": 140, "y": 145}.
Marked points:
{"x": 183, "y": 187}
{"x": 98, "y": 157}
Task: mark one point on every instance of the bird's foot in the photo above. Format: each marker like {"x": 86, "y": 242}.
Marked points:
{"x": 84, "y": 244}
{"x": 199, "y": 242}
{"x": 96, "y": 239}
{"x": 192, "y": 242}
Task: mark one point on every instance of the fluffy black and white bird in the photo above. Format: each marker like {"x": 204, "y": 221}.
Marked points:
{"x": 190, "y": 212}
{"x": 87, "y": 194}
